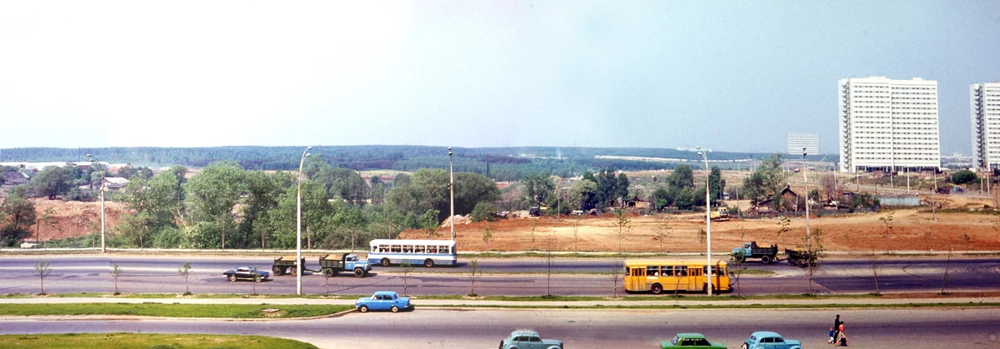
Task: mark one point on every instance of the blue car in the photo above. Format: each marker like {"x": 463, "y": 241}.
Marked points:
{"x": 770, "y": 340}
{"x": 383, "y": 300}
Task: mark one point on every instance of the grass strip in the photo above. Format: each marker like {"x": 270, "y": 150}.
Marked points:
{"x": 156, "y": 341}
{"x": 234, "y": 311}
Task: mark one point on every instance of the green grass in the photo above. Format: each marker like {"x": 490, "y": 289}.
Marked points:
{"x": 755, "y": 271}
{"x": 175, "y": 295}
{"x": 152, "y": 341}
{"x": 237, "y": 311}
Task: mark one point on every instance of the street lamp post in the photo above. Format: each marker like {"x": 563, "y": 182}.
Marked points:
{"x": 708, "y": 222}
{"x": 451, "y": 188}
{"x": 805, "y": 183}
{"x": 298, "y": 225}
{"x": 104, "y": 248}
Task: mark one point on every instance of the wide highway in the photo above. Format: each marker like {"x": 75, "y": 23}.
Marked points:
{"x": 429, "y": 328}
{"x": 155, "y": 274}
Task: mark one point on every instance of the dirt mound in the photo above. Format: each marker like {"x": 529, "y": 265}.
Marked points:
{"x": 72, "y": 218}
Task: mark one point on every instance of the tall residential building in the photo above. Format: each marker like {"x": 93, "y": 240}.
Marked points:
{"x": 984, "y": 109}
{"x": 798, "y": 141}
{"x": 888, "y": 124}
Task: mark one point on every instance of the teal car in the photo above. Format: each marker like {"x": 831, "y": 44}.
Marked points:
{"x": 770, "y": 340}
{"x": 691, "y": 340}
{"x": 528, "y": 339}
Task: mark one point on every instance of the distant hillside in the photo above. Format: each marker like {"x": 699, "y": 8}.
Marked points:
{"x": 509, "y": 163}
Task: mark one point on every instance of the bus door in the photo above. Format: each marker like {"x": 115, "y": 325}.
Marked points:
{"x": 636, "y": 279}
{"x": 695, "y": 278}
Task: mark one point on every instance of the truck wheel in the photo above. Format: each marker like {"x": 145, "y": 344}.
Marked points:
{"x": 385, "y": 262}
{"x": 277, "y": 271}
{"x": 328, "y": 272}
{"x": 394, "y": 309}
{"x": 232, "y": 278}
{"x": 429, "y": 262}
{"x": 358, "y": 272}
{"x": 363, "y": 308}
{"x": 765, "y": 260}
{"x": 657, "y": 288}
{"x": 293, "y": 271}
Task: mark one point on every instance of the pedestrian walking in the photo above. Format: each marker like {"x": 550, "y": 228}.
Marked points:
{"x": 841, "y": 336}
{"x": 836, "y": 328}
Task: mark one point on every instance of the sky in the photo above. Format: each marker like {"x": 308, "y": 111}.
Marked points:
{"x": 733, "y": 76}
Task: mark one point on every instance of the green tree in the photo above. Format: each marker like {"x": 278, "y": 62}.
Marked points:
{"x": 964, "y": 177}
{"x": 42, "y": 269}
{"x": 214, "y": 192}
{"x": 52, "y": 182}
{"x": 278, "y": 221}
{"x": 484, "y": 211}
{"x": 716, "y": 183}
{"x": 487, "y": 235}
{"x": 263, "y": 190}
{"x": 766, "y": 181}
{"x": 537, "y": 188}
{"x": 581, "y": 195}
{"x": 621, "y": 188}
{"x": 623, "y": 225}
{"x": 185, "y": 271}
{"x": 21, "y": 215}
{"x": 682, "y": 177}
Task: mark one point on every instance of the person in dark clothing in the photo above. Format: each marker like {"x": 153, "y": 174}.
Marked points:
{"x": 836, "y": 326}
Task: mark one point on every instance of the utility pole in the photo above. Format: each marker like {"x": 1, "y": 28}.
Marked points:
{"x": 93, "y": 160}
{"x": 708, "y": 224}
{"x": 451, "y": 188}
{"x": 298, "y": 224}
{"x": 805, "y": 180}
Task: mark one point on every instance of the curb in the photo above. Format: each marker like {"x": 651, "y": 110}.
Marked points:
{"x": 164, "y": 318}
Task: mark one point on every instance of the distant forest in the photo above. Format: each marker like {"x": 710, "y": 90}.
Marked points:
{"x": 505, "y": 164}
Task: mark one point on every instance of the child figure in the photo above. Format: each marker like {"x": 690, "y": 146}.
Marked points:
{"x": 830, "y": 341}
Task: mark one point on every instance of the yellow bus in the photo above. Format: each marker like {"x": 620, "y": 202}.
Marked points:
{"x": 658, "y": 275}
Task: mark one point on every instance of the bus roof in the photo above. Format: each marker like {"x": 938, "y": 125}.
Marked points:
{"x": 411, "y": 242}
{"x": 664, "y": 261}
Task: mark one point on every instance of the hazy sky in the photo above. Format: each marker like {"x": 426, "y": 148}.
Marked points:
{"x": 728, "y": 75}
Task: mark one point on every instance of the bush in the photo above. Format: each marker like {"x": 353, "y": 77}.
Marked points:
{"x": 964, "y": 177}
{"x": 484, "y": 212}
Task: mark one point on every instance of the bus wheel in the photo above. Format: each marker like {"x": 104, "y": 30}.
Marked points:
{"x": 765, "y": 260}
{"x": 385, "y": 262}
{"x": 656, "y": 289}
{"x": 428, "y": 262}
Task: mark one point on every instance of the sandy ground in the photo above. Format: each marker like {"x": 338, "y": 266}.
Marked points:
{"x": 911, "y": 229}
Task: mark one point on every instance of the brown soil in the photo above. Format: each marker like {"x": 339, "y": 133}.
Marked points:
{"x": 912, "y": 229}
{"x": 72, "y": 218}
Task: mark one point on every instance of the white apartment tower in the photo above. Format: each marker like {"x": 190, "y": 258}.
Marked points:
{"x": 888, "y": 124}
{"x": 984, "y": 109}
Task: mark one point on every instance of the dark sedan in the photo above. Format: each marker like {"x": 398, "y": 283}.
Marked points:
{"x": 246, "y": 273}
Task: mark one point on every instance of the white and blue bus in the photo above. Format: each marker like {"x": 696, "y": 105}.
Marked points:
{"x": 427, "y": 252}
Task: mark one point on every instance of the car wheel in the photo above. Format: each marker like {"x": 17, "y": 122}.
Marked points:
{"x": 656, "y": 288}
{"x": 363, "y": 308}
{"x": 395, "y": 309}
{"x": 277, "y": 271}
{"x": 258, "y": 279}
{"x": 429, "y": 263}
{"x": 358, "y": 272}
{"x": 328, "y": 272}
{"x": 232, "y": 278}
{"x": 385, "y": 262}
{"x": 765, "y": 260}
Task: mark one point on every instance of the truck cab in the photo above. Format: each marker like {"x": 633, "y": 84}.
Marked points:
{"x": 346, "y": 262}
{"x": 766, "y": 254}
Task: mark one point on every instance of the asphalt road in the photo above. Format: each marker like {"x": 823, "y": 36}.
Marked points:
{"x": 872, "y": 328}
{"x": 75, "y": 274}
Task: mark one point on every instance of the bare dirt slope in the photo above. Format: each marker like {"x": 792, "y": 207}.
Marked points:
{"x": 911, "y": 229}
{"x": 72, "y": 218}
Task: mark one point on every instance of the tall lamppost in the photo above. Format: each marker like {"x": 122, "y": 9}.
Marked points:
{"x": 93, "y": 160}
{"x": 805, "y": 180}
{"x": 451, "y": 188}
{"x": 708, "y": 221}
{"x": 298, "y": 226}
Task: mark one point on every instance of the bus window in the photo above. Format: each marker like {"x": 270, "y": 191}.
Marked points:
{"x": 383, "y": 248}
{"x": 418, "y": 249}
{"x": 432, "y": 249}
{"x": 443, "y": 249}
{"x": 667, "y": 270}
{"x": 653, "y": 270}
{"x": 682, "y": 270}
{"x": 407, "y": 248}
{"x": 723, "y": 272}
{"x": 395, "y": 249}
{"x": 638, "y": 271}
{"x": 374, "y": 248}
